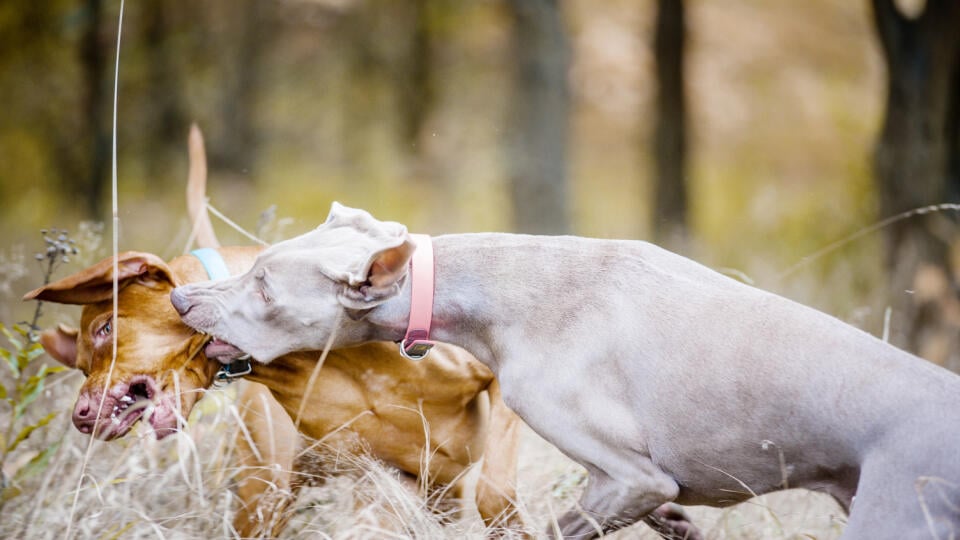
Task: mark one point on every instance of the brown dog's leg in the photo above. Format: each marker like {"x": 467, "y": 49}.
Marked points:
{"x": 265, "y": 460}
{"x": 497, "y": 485}
{"x": 446, "y": 501}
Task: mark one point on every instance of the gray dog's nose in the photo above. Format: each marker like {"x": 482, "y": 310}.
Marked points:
{"x": 180, "y": 301}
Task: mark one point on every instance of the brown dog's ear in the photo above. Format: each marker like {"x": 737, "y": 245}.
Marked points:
{"x": 61, "y": 344}
{"x": 95, "y": 284}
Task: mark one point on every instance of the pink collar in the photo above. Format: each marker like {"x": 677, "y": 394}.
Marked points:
{"x": 416, "y": 343}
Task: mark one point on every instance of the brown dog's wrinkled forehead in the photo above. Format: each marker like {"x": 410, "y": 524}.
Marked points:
{"x": 151, "y": 339}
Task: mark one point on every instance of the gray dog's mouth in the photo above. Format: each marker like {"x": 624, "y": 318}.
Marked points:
{"x": 222, "y": 351}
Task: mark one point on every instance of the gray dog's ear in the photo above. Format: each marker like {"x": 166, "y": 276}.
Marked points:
{"x": 372, "y": 256}
{"x": 336, "y": 209}
{"x": 344, "y": 216}
{"x": 382, "y": 277}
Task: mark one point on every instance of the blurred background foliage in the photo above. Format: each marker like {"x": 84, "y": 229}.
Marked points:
{"x": 510, "y": 115}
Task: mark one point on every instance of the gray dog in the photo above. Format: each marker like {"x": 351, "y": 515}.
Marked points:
{"x": 665, "y": 379}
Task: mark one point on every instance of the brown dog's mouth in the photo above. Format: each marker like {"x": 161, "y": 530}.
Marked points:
{"x": 137, "y": 392}
{"x": 128, "y": 402}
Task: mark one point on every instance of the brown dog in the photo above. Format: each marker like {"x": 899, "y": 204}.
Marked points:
{"x": 364, "y": 399}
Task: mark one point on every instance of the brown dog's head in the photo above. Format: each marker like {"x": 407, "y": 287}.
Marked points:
{"x": 160, "y": 367}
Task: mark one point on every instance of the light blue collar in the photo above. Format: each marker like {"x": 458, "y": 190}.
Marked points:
{"x": 217, "y": 269}
{"x": 212, "y": 262}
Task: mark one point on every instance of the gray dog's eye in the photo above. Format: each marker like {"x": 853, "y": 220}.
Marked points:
{"x": 264, "y": 296}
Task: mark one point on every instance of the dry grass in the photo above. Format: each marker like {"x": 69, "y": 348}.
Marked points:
{"x": 181, "y": 488}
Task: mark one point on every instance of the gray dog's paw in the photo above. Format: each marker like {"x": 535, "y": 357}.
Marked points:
{"x": 671, "y": 521}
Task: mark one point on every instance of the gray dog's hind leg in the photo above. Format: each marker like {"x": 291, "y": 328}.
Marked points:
{"x": 894, "y": 502}
{"x": 609, "y": 504}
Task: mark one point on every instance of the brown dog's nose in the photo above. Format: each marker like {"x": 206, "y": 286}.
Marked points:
{"x": 179, "y": 301}
{"x": 85, "y": 413}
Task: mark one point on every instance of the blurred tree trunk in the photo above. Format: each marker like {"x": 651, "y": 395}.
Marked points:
{"x": 539, "y": 118}
{"x": 669, "y": 138}
{"x": 415, "y": 90}
{"x": 90, "y": 186}
{"x": 235, "y": 146}
{"x": 364, "y": 78}
{"x": 413, "y": 75}
{"x": 913, "y": 159}
{"x": 953, "y": 135}
{"x": 55, "y": 95}
{"x": 166, "y": 117}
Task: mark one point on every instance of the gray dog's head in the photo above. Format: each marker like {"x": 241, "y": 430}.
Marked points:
{"x": 299, "y": 289}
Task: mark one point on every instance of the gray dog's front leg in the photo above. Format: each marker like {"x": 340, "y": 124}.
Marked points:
{"x": 609, "y": 504}
{"x": 671, "y": 521}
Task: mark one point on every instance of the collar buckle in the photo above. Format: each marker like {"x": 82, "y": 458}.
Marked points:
{"x": 233, "y": 371}
{"x": 416, "y": 350}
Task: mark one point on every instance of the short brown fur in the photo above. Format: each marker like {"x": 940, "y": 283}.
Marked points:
{"x": 365, "y": 399}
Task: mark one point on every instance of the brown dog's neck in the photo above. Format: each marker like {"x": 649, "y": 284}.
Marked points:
{"x": 283, "y": 368}
{"x": 238, "y": 259}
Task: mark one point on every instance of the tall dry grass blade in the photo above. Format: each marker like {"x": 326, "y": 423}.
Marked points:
{"x": 426, "y": 454}
{"x": 236, "y": 227}
{"x": 833, "y": 246}
{"x": 920, "y": 485}
{"x": 246, "y": 433}
{"x": 116, "y": 272}
{"x": 316, "y": 371}
{"x": 186, "y": 448}
{"x": 271, "y": 438}
{"x": 321, "y": 441}
{"x": 886, "y": 324}
{"x": 768, "y": 513}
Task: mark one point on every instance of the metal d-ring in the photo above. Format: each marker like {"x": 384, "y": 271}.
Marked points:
{"x": 416, "y": 350}
{"x": 236, "y": 369}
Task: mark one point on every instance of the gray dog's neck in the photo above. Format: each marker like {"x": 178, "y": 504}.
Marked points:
{"x": 501, "y": 281}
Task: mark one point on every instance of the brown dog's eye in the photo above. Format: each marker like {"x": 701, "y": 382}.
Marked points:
{"x": 106, "y": 328}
